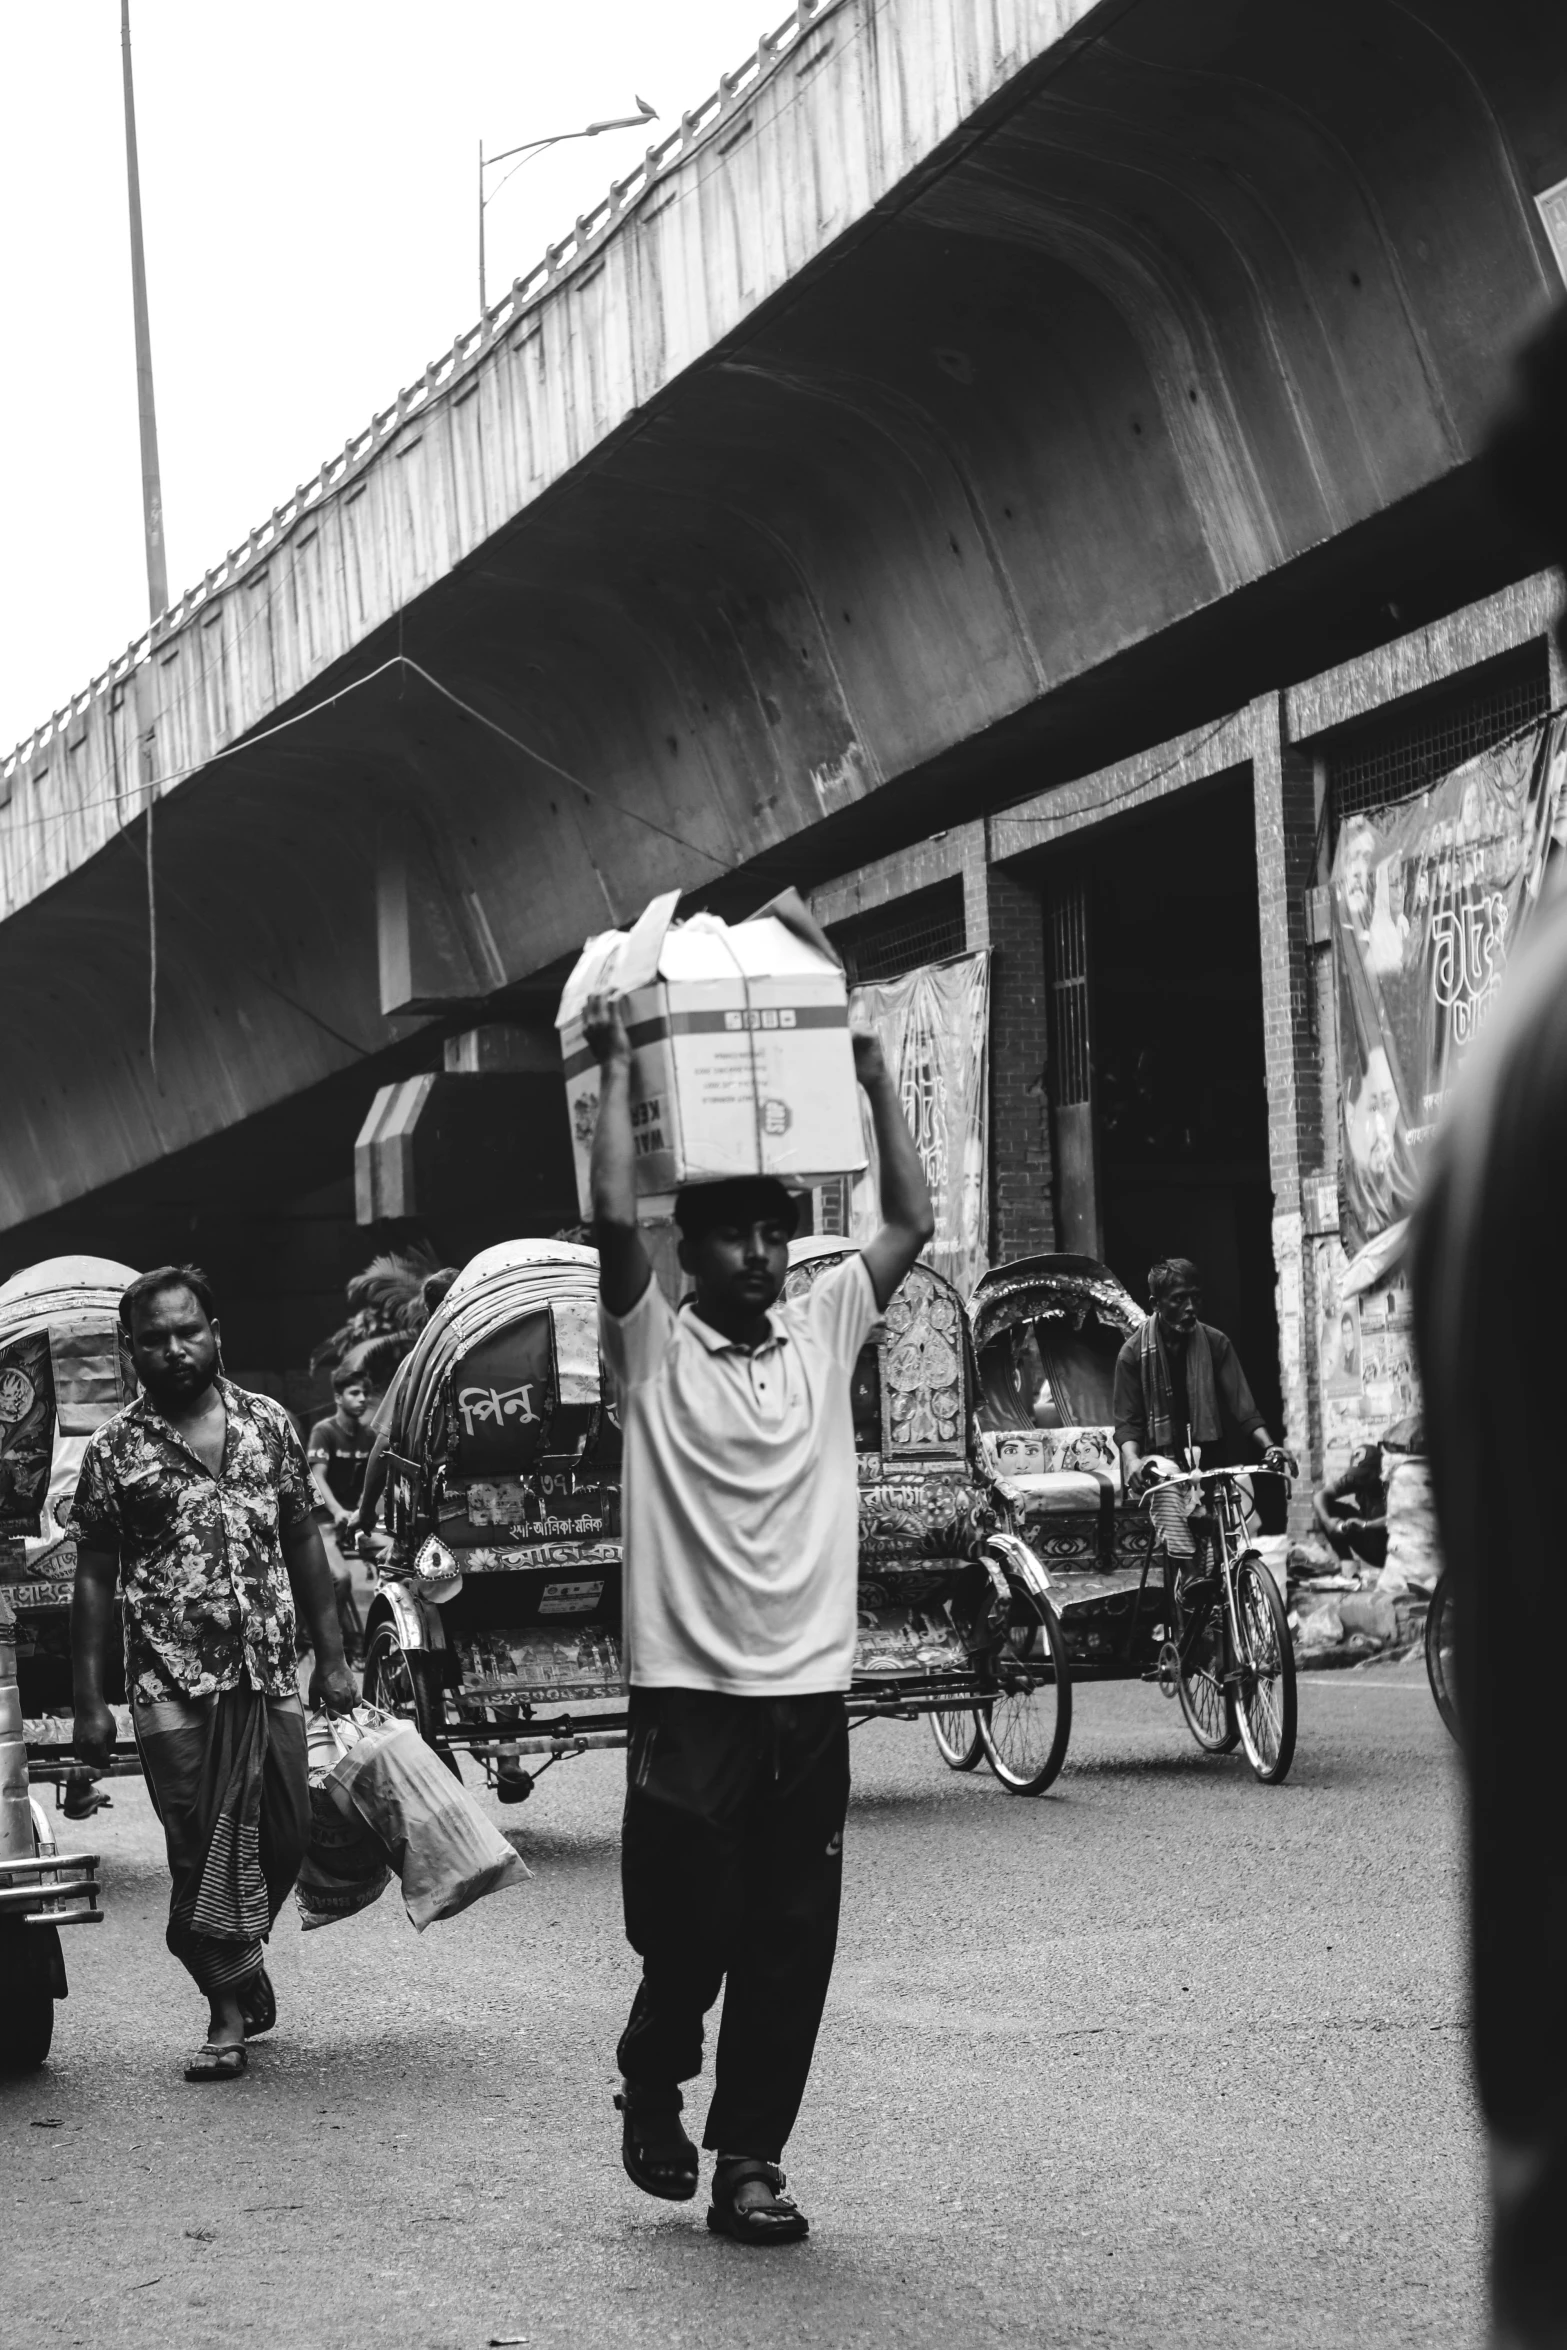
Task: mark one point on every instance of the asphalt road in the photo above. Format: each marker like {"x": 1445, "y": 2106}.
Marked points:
{"x": 1165, "y": 2058}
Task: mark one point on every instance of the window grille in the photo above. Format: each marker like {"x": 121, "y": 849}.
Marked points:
{"x": 1070, "y": 1047}
{"x": 926, "y": 927}
{"x": 1399, "y": 754}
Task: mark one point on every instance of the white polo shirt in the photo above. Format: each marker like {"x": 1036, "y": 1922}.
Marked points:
{"x": 741, "y": 1503}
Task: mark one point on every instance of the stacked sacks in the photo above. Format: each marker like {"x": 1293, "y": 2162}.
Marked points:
{"x": 1414, "y": 1557}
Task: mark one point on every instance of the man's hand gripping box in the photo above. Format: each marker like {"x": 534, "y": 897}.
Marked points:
{"x": 740, "y": 1056}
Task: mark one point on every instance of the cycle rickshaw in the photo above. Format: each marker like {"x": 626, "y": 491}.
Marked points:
{"x": 497, "y": 1627}
{"x": 63, "y": 1371}
{"x": 1046, "y": 1333}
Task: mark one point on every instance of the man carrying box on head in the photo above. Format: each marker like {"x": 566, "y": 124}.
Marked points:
{"x": 740, "y": 1545}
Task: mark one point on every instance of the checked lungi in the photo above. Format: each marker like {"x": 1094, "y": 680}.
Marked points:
{"x": 228, "y": 1780}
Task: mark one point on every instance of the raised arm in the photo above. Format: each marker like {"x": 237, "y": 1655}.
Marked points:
{"x": 907, "y": 1219}
{"x": 624, "y": 1269}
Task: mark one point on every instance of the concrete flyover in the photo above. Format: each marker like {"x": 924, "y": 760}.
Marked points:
{"x": 970, "y": 396}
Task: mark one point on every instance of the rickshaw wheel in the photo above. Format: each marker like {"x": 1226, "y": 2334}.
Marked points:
{"x": 1265, "y": 1691}
{"x": 1439, "y": 1653}
{"x": 1206, "y": 1703}
{"x": 958, "y": 1740}
{"x": 402, "y": 1681}
{"x": 26, "y": 2011}
{"x": 1026, "y": 1724}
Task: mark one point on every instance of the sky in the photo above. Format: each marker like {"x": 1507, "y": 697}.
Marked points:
{"x": 308, "y": 174}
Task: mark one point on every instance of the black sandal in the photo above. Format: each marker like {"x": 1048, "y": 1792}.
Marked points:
{"x": 750, "y": 2205}
{"x": 258, "y": 2006}
{"x": 658, "y": 2156}
{"x": 223, "y": 2060}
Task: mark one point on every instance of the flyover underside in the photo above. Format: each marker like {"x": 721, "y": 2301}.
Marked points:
{"x": 1163, "y": 391}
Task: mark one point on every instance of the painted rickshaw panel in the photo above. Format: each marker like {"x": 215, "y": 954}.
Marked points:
{"x": 922, "y": 1505}
{"x": 59, "y": 1320}
{"x": 508, "y": 1476}
{"x": 1069, "y": 1316}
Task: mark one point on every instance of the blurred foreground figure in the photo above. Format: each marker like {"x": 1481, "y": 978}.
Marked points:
{"x": 1491, "y": 1311}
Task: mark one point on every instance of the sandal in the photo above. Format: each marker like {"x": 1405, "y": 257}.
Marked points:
{"x": 258, "y": 2006}
{"x": 658, "y": 2156}
{"x": 216, "y": 2061}
{"x": 750, "y": 2205}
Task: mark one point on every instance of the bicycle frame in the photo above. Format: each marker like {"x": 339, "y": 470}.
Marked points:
{"x": 1230, "y": 1512}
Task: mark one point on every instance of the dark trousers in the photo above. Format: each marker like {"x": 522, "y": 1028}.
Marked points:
{"x": 732, "y": 1867}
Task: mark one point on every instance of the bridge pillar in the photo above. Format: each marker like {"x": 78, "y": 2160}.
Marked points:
{"x": 1286, "y": 807}
{"x": 1004, "y": 913}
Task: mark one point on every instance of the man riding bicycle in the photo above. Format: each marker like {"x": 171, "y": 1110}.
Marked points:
{"x": 1181, "y": 1396}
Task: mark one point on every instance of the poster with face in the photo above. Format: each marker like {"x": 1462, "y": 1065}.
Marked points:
{"x": 934, "y": 1026}
{"x": 1428, "y": 901}
{"x": 1341, "y": 1367}
{"x": 26, "y": 1431}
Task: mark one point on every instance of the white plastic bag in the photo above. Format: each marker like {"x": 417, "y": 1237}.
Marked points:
{"x": 345, "y": 1868}
{"x": 435, "y": 1836}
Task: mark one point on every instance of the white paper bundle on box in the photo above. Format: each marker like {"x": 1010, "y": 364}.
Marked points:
{"x": 740, "y": 1056}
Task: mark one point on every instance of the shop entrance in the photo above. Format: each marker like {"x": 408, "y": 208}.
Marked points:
{"x": 1158, "y": 1078}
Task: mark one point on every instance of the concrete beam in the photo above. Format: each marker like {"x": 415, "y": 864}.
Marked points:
{"x": 1424, "y": 659}
{"x": 886, "y": 878}
{"x": 1000, "y": 399}
{"x": 1118, "y": 790}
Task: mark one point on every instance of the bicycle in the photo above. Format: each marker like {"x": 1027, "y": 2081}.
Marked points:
{"x": 1440, "y": 1669}
{"x": 1230, "y": 1658}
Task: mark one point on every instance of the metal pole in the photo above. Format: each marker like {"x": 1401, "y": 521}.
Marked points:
{"x": 151, "y": 488}
{"x": 482, "y": 303}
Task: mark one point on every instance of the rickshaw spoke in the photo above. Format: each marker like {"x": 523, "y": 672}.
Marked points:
{"x": 1206, "y": 1698}
{"x": 958, "y": 1740}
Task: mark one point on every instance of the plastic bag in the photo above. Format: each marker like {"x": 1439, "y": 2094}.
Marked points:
{"x": 345, "y": 1868}
{"x": 437, "y": 1839}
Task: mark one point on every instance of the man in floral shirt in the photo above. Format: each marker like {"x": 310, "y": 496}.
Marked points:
{"x": 196, "y": 1503}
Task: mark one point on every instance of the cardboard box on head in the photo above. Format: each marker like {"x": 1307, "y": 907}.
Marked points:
{"x": 740, "y": 1056}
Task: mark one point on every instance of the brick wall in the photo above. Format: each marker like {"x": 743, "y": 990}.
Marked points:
{"x": 1284, "y": 791}
{"x": 1022, "y": 1210}
{"x": 1285, "y": 797}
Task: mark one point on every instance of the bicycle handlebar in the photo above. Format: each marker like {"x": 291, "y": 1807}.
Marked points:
{"x": 1162, "y": 1484}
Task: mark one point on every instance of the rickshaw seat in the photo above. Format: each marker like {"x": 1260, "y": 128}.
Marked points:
{"x": 1067, "y": 1492}
{"x": 1071, "y": 1493}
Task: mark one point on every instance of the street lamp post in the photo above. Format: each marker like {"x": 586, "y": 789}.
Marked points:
{"x": 517, "y": 156}
{"x": 151, "y": 486}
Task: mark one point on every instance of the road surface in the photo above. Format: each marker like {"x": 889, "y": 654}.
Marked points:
{"x": 1166, "y": 2058}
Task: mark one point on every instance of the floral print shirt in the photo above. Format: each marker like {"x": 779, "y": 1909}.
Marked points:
{"x": 204, "y": 1586}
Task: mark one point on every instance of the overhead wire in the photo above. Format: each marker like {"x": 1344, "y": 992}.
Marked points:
{"x": 395, "y": 661}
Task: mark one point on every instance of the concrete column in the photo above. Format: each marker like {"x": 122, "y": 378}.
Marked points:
{"x": 1022, "y": 1211}
{"x": 1285, "y": 801}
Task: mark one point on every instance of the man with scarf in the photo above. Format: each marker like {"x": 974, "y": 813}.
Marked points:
{"x": 1180, "y": 1393}
{"x": 196, "y": 1502}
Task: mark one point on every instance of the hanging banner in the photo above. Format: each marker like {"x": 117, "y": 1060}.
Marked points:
{"x": 26, "y": 1431}
{"x": 1428, "y": 901}
{"x": 934, "y": 1025}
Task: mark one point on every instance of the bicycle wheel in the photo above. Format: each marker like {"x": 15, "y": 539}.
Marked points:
{"x": 1439, "y": 1653}
{"x": 1025, "y": 1725}
{"x": 957, "y": 1737}
{"x": 1265, "y": 1673}
{"x": 406, "y": 1682}
{"x": 1205, "y": 1700}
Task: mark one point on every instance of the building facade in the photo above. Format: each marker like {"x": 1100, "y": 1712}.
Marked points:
{"x": 1013, "y": 470}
